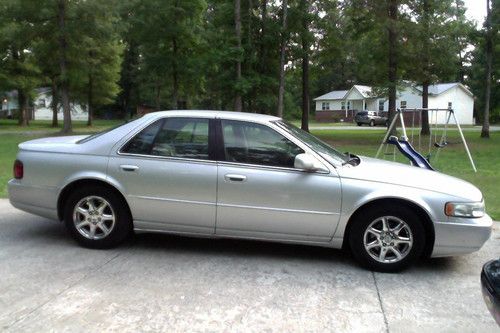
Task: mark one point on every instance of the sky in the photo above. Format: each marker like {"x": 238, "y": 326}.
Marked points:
{"x": 476, "y": 10}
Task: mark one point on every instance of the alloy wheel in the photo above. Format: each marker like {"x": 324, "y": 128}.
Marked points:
{"x": 94, "y": 217}
{"x": 388, "y": 239}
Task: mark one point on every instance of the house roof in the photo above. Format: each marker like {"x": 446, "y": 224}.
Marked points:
{"x": 439, "y": 88}
{"x": 365, "y": 91}
{"x": 332, "y": 95}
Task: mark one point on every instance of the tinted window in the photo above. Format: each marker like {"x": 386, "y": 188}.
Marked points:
{"x": 257, "y": 144}
{"x": 182, "y": 137}
{"x": 143, "y": 142}
{"x": 173, "y": 137}
{"x": 362, "y": 113}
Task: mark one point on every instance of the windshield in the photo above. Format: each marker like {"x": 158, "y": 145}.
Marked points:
{"x": 322, "y": 148}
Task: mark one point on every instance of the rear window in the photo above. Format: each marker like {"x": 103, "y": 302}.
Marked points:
{"x": 362, "y": 113}
{"x": 98, "y": 134}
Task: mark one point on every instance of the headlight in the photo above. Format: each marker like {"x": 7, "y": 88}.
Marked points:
{"x": 464, "y": 209}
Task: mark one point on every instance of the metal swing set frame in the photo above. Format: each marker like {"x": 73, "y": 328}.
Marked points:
{"x": 407, "y": 149}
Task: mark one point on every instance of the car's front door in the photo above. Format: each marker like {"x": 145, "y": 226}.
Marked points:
{"x": 169, "y": 176}
{"x": 261, "y": 195}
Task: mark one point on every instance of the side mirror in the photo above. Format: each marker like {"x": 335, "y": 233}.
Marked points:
{"x": 306, "y": 162}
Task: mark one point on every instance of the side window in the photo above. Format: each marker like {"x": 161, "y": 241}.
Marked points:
{"x": 182, "y": 137}
{"x": 252, "y": 143}
{"x": 143, "y": 142}
{"x": 172, "y": 137}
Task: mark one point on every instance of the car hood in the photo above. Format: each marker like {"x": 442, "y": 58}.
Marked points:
{"x": 375, "y": 170}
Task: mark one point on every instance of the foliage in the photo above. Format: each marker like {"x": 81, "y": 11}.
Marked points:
{"x": 183, "y": 54}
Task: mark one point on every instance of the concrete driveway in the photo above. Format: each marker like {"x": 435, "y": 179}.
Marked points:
{"x": 165, "y": 283}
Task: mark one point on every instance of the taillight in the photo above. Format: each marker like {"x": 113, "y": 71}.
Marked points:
{"x": 18, "y": 169}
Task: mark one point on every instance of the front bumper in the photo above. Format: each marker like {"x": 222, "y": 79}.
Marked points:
{"x": 461, "y": 236}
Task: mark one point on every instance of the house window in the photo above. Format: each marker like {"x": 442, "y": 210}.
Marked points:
{"x": 342, "y": 105}
{"x": 348, "y": 105}
{"x": 381, "y": 105}
{"x": 450, "y": 105}
{"x": 42, "y": 103}
{"x": 402, "y": 104}
{"x": 325, "y": 106}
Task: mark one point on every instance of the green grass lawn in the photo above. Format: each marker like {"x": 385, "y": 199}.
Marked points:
{"x": 452, "y": 159}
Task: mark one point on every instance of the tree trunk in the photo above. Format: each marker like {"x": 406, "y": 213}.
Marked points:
{"x": 175, "y": 78}
{"x": 249, "y": 64}
{"x": 262, "y": 51}
{"x": 54, "y": 102}
{"x": 305, "y": 66}
{"x": 22, "y": 101}
{"x": 90, "y": 100}
{"x": 64, "y": 89}
{"x": 281, "y": 90}
{"x": 460, "y": 62}
{"x": 393, "y": 60}
{"x": 424, "y": 118}
{"x": 485, "y": 131}
{"x": 238, "y": 105}
{"x": 157, "y": 95}
{"x": 425, "y": 114}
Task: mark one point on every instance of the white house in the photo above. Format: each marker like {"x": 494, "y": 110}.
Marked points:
{"x": 342, "y": 105}
{"x": 41, "y": 106}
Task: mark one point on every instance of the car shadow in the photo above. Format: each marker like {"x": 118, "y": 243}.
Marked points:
{"x": 51, "y": 233}
{"x": 238, "y": 247}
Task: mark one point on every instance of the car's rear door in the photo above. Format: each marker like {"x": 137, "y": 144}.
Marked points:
{"x": 261, "y": 195}
{"x": 169, "y": 176}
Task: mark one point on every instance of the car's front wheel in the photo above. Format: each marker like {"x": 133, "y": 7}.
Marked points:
{"x": 372, "y": 123}
{"x": 97, "y": 217}
{"x": 387, "y": 239}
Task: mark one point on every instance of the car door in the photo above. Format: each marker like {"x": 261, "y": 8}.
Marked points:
{"x": 169, "y": 176}
{"x": 261, "y": 195}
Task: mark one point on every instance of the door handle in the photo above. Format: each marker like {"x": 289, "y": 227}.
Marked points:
{"x": 126, "y": 167}
{"x": 235, "y": 178}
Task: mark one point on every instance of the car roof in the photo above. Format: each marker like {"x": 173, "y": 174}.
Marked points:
{"x": 231, "y": 115}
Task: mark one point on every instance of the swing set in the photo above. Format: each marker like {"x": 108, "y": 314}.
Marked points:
{"x": 406, "y": 145}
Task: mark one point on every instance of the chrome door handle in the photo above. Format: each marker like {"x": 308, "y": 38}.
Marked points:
{"x": 126, "y": 167}
{"x": 235, "y": 178}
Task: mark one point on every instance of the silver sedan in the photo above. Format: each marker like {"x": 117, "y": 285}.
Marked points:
{"x": 238, "y": 175}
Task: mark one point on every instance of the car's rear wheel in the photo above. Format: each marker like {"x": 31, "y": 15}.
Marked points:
{"x": 97, "y": 217}
{"x": 387, "y": 239}
{"x": 359, "y": 124}
{"x": 372, "y": 123}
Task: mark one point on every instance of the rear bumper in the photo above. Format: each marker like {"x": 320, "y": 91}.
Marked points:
{"x": 465, "y": 236}
{"x": 36, "y": 200}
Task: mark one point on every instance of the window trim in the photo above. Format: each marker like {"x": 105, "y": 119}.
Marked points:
{"x": 222, "y": 156}
{"x": 215, "y": 126}
{"x": 211, "y": 154}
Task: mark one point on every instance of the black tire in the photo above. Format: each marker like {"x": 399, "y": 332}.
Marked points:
{"x": 360, "y": 225}
{"x": 372, "y": 123}
{"x": 122, "y": 225}
{"x": 359, "y": 124}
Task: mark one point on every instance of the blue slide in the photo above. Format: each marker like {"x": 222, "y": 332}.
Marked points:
{"x": 406, "y": 149}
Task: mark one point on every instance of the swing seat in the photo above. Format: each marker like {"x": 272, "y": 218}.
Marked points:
{"x": 440, "y": 145}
